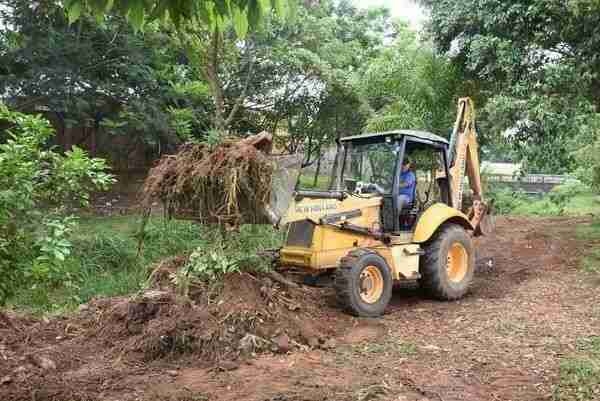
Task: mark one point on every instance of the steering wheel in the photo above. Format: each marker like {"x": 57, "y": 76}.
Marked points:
{"x": 380, "y": 179}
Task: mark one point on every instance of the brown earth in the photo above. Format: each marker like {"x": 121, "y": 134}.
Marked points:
{"x": 253, "y": 339}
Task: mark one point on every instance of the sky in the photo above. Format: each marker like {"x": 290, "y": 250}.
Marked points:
{"x": 400, "y": 8}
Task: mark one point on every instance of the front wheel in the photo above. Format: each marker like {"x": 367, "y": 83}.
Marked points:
{"x": 363, "y": 283}
{"x": 448, "y": 266}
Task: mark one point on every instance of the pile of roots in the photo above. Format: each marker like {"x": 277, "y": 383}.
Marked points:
{"x": 227, "y": 184}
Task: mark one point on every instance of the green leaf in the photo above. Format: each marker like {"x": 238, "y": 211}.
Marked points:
{"x": 136, "y": 15}
{"x": 254, "y": 12}
{"x": 59, "y": 255}
{"x": 280, "y": 7}
{"x": 222, "y": 7}
{"x": 74, "y": 12}
{"x": 240, "y": 22}
{"x": 292, "y": 11}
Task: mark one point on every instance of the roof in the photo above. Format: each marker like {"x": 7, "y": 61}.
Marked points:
{"x": 403, "y": 132}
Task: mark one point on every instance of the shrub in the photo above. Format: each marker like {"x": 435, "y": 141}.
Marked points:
{"x": 506, "y": 200}
{"x": 235, "y": 253}
{"x": 562, "y": 194}
{"x": 36, "y": 182}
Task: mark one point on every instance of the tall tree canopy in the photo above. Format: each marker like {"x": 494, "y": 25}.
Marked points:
{"x": 536, "y": 61}
{"x": 410, "y": 86}
{"x": 85, "y": 74}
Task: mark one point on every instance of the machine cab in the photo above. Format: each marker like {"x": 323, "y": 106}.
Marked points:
{"x": 407, "y": 169}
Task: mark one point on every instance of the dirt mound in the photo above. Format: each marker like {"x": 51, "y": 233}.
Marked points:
{"x": 248, "y": 313}
{"x": 230, "y": 183}
{"x": 79, "y": 357}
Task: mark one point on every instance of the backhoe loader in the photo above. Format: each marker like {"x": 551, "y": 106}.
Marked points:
{"x": 360, "y": 232}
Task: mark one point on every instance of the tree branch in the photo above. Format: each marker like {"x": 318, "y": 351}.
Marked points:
{"x": 242, "y": 96}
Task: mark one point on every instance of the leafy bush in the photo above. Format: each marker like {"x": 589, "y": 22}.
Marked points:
{"x": 36, "y": 183}
{"x": 506, "y": 200}
{"x": 238, "y": 252}
{"x": 565, "y": 192}
{"x": 588, "y": 158}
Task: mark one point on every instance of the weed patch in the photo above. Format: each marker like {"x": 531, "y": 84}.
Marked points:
{"x": 589, "y": 345}
{"x": 589, "y": 232}
{"x": 591, "y": 262}
{"x": 579, "y": 378}
{"x": 387, "y": 347}
{"x": 563, "y": 200}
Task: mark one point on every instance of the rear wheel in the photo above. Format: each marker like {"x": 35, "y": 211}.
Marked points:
{"x": 448, "y": 266}
{"x": 363, "y": 283}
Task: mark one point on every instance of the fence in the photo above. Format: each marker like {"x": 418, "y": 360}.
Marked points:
{"x": 532, "y": 183}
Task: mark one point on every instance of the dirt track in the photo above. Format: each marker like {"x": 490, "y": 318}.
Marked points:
{"x": 502, "y": 342}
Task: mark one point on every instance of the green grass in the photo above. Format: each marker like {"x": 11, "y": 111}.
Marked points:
{"x": 579, "y": 380}
{"x": 590, "y": 262}
{"x": 533, "y": 207}
{"x": 105, "y": 261}
{"x": 589, "y": 232}
{"x": 579, "y": 374}
{"x": 559, "y": 202}
{"x": 586, "y": 203}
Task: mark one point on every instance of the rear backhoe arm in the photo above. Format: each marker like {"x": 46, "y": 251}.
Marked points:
{"x": 464, "y": 160}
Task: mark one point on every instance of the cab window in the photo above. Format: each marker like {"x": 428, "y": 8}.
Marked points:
{"x": 369, "y": 168}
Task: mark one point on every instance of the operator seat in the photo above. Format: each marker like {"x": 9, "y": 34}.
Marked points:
{"x": 409, "y": 213}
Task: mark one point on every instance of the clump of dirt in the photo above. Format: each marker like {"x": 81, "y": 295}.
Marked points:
{"x": 227, "y": 184}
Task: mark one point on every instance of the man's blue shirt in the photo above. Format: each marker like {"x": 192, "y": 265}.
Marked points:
{"x": 410, "y": 180}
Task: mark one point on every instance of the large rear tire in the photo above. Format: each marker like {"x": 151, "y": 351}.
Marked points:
{"x": 363, "y": 283}
{"x": 448, "y": 266}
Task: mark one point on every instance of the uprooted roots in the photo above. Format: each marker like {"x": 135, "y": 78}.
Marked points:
{"x": 229, "y": 184}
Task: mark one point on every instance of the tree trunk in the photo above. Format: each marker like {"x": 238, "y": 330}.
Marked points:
{"x": 318, "y": 169}
{"x": 212, "y": 76}
{"x": 335, "y": 179}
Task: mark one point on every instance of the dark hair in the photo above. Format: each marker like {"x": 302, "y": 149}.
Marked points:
{"x": 406, "y": 161}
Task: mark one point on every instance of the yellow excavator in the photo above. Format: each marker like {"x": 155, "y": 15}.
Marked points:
{"x": 363, "y": 233}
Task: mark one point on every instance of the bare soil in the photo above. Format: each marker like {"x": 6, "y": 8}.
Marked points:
{"x": 252, "y": 339}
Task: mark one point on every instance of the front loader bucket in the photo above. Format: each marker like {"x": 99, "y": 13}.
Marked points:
{"x": 237, "y": 181}
{"x": 286, "y": 170}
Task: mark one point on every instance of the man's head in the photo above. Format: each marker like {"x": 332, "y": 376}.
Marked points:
{"x": 406, "y": 165}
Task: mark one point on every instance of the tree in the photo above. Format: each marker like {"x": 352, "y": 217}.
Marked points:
{"x": 304, "y": 74}
{"x": 535, "y": 61}
{"x": 123, "y": 89}
{"x": 410, "y": 86}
